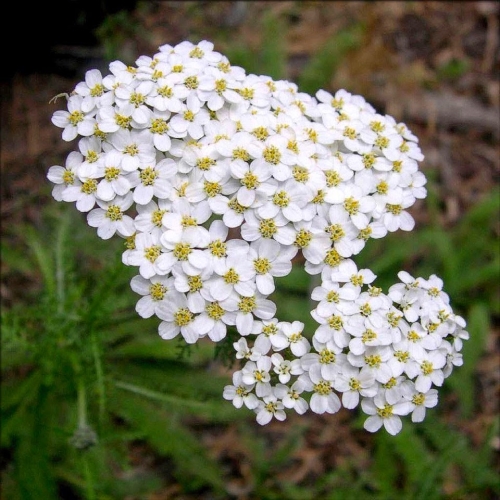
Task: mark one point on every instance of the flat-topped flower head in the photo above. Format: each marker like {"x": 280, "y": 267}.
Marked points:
{"x": 219, "y": 182}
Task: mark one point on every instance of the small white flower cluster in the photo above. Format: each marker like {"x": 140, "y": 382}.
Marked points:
{"x": 183, "y": 150}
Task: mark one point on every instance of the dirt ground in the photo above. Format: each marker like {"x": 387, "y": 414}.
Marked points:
{"x": 433, "y": 65}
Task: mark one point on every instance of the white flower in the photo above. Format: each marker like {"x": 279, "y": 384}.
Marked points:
{"x": 184, "y": 237}
{"x": 218, "y": 248}
{"x": 268, "y": 408}
{"x": 355, "y": 202}
{"x": 236, "y": 274}
{"x": 299, "y": 345}
{"x": 453, "y": 356}
{"x": 255, "y": 181}
{"x": 75, "y": 121}
{"x": 131, "y": 101}
{"x": 367, "y": 337}
{"x": 135, "y": 147}
{"x": 231, "y": 177}
{"x": 195, "y": 286}
{"x": 189, "y": 120}
{"x": 373, "y": 362}
{"x": 292, "y": 398}
{"x": 382, "y": 413}
{"x": 65, "y": 176}
{"x": 114, "y": 180}
{"x": 153, "y": 181}
{"x": 282, "y": 367}
{"x": 276, "y": 227}
{"x": 274, "y": 155}
{"x": 257, "y": 372}
{"x": 253, "y": 353}
{"x": 153, "y": 291}
{"x": 323, "y": 398}
{"x": 214, "y": 89}
{"x": 247, "y": 307}
{"x": 328, "y": 358}
{"x": 270, "y": 259}
{"x": 240, "y": 393}
{"x": 330, "y": 294}
{"x": 109, "y": 120}
{"x": 233, "y": 213}
{"x": 168, "y": 93}
{"x": 177, "y": 318}
{"x": 205, "y": 159}
{"x": 91, "y": 149}
{"x": 110, "y": 217}
{"x": 93, "y": 91}
{"x": 395, "y": 216}
{"x": 157, "y": 126}
{"x": 230, "y": 143}
{"x": 420, "y": 340}
{"x": 121, "y": 75}
{"x": 147, "y": 255}
{"x": 353, "y": 384}
{"x": 269, "y": 335}
{"x": 395, "y": 389}
{"x": 314, "y": 244}
{"x": 420, "y": 401}
{"x": 341, "y": 230}
{"x": 83, "y": 193}
{"x": 400, "y": 358}
{"x": 150, "y": 216}
{"x": 331, "y": 329}
{"x": 214, "y": 318}
{"x": 347, "y": 271}
{"x": 289, "y": 200}
{"x": 427, "y": 367}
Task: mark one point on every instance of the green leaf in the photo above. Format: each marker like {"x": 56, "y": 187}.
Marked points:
{"x": 164, "y": 431}
{"x": 463, "y": 379}
{"x": 217, "y": 410}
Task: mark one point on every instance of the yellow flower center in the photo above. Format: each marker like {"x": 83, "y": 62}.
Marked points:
{"x": 373, "y": 360}
{"x": 262, "y": 265}
{"x": 267, "y": 228}
{"x": 218, "y": 248}
{"x": 148, "y": 176}
{"x": 76, "y": 117}
{"x": 323, "y": 388}
{"x": 157, "y": 291}
{"x": 183, "y": 317}
{"x": 152, "y": 253}
{"x": 326, "y": 356}
{"x": 214, "y": 311}
{"x": 281, "y": 199}
{"x": 335, "y": 322}
{"x": 272, "y": 155}
{"x": 247, "y": 304}
{"x": 303, "y": 238}
{"x": 351, "y": 206}
{"x": 385, "y": 412}
{"x": 182, "y": 251}
{"x": 114, "y": 213}
{"x": 231, "y": 277}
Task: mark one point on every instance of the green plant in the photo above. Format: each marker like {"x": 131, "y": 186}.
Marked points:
{"x": 83, "y": 376}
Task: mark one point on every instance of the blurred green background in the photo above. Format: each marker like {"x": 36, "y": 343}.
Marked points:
{"x": 96, "y": 406}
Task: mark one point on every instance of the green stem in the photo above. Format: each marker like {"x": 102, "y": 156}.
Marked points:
{"x": 99, "y": 376}
{"x": 60, "y": 285}
{"x": 82, "y": 403}
{"x": 89, "y": 480}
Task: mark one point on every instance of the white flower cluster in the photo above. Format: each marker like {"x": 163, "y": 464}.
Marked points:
{"x": 217, "y": 180}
